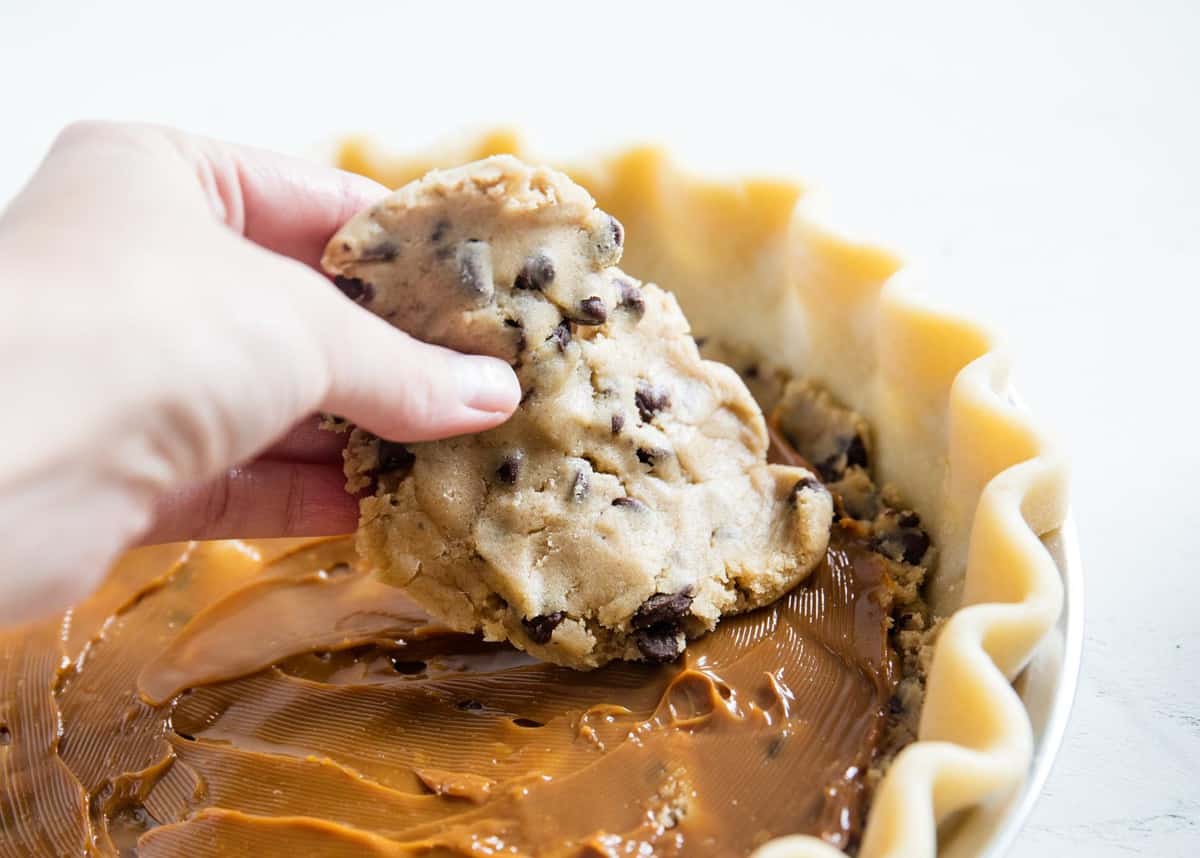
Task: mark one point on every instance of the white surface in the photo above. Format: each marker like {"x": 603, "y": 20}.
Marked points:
{"x": 1040, "y": 161}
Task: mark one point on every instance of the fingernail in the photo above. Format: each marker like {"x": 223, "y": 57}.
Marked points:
{"x": 486, "y": 384}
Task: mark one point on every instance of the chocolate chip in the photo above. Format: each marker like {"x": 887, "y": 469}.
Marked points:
{"x": 908, "y": 518}
{"x": 561, "y": 335}
{"x": 541, "y": 627}
{"x": 662, "y": 608}
{"x": 700, "y": 341}
{"x": 629, "y": 503}
{"x": 592, "y": 311}
{"x": 5, "y": 735}
{"x": 652, "y": 455}
{"x": 853, "y": 448}
{"x": 829, "y": 470}
{"x": 385, "y": 251}
{"x": 469, "y": 705}
{"x": 527, "y": 722}
{"x": 650, "y": 399}
{"x": 751, "y": 371}
{"x": 475, "y": 268}
{"x": 907, "y": 546}
{"x": 802, "y": 485}
{"x": 537, "y": 273}
{"x": 618, "y": 232}
{"x": 510, "y": 468}
{"x": 916, "y": 543}
{"x": 355, "y": 289}
{"x": 522, "y": 342}
{"x": 579, "y": 486}
{"x": 658, "y": 645}
{"x": 631, "y": 298}
{"x": 856, "y": 452}
{"x": 392, "y": 456}
{"x": 439, "y": 231}
{"x": 607, "y": 240}
{"x": 618, "y": 422}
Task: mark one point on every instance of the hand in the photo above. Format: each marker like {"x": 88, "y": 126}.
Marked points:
{"x": 165, "y": 343}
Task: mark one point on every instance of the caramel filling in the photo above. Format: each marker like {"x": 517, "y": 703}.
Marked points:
{"x": 270, "y": 699}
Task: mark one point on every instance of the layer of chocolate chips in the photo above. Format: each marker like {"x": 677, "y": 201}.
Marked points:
{"x": 650, "y": 399}
{"x": 541, "y": 628}
{"x": 355, "y": 289}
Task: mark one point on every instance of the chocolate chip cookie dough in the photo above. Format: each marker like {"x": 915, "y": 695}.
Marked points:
{"x": 628, "y": 505}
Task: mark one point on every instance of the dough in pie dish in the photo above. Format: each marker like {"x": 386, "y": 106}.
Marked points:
{"x": 627, "y": 505}
{"x": 754, "y": 268}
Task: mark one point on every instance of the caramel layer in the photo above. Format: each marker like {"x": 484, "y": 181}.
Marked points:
{"x": 266, "y": 699}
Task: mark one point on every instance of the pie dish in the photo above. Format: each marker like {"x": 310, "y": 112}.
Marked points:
{"x": 196, "y": 704}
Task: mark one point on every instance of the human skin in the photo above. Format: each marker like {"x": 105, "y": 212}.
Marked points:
{"x": 165, "y": 345}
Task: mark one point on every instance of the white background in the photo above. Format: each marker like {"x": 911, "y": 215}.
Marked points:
{"x": 1039, "y": 161}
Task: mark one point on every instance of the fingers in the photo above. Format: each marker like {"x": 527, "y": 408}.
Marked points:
{"x": 308, "y": 442}
{"x": 264, "y": 499}
{"x": 405, "y": 390}
{"x": 380, "y": 378}
{"x": 285, "y": 204}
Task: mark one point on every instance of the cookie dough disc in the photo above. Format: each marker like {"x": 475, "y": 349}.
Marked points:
{"x": 627, "y": 505}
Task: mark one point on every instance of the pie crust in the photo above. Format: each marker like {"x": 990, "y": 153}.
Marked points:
{"x": 752, "y": 266}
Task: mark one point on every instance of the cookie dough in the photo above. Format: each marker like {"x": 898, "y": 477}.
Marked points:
{"x": 627, "y": 505}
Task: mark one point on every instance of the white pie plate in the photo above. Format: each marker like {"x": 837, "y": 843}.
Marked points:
{"x": 1047, "y": 686}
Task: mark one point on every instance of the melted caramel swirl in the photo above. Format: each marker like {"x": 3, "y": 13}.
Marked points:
{"x": 269, "y": 698}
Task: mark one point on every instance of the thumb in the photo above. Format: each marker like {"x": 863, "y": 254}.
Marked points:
{"x": 401, "y": 388}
